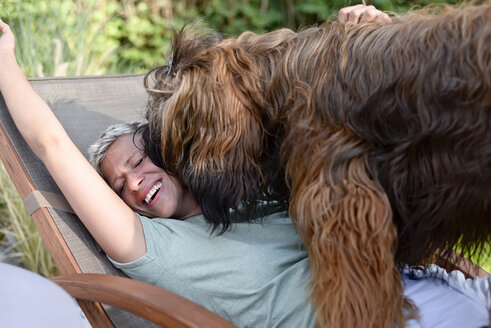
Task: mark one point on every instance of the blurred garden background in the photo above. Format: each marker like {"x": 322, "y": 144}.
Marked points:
{"x": 90, "y": 37}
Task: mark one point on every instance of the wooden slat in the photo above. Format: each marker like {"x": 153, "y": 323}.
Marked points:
{"x": 461, "y": 263}
{"x": 13, "y": 165}
{"x": 94, "y": 312}
{"x": 150, "y": 302}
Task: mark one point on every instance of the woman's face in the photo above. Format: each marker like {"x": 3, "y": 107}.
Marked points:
{"x": 146, "y": 188}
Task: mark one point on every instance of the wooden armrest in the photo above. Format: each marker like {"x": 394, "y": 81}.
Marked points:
{"x": 459, "y": 262}
{"x": 147, "y": 301}
{"x": 469, "y": 268}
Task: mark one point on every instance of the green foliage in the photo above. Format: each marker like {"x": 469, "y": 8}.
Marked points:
{"x": 58, "y": 37}
{"x": 121, "y": 36}
{"x": 143, "y": 29}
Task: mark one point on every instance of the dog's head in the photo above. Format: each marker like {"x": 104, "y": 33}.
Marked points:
{"x": 204, "y": 122}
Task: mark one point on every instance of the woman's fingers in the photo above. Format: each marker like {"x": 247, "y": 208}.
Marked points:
{"x": 343, "y": 15}
{"x": 369, "y": 15}
{"x": 7, "y": 41}
{"x": 362, "y": 14}
{"x": 359, "y": 12}
{"x": 4, "y": 28}
{"x": 351, "y": 13}
{"x": 383, "y": 18}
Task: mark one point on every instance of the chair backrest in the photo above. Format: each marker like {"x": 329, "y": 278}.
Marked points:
{"x": 85, "y": 106}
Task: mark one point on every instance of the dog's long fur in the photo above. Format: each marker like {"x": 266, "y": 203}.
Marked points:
{"x": 377, "y": 138}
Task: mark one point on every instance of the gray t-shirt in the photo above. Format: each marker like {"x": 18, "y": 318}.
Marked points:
{"x": 257, "y": 275}
{"x": 254, "y": 275}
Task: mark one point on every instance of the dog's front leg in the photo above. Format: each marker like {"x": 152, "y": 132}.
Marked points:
{"x": 351, "y": 237}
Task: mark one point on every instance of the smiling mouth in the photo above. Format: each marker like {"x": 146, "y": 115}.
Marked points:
{"x": 152, "y": 192}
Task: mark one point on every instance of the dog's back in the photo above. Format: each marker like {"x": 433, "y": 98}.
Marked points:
{"x": 416, "y": 94}
{"x": 422, "y": 100}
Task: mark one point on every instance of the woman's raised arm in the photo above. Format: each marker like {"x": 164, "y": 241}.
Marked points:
{"x": 112, "y": 223}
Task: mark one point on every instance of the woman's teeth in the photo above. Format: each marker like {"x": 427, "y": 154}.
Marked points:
{"x": 152, "y": 192}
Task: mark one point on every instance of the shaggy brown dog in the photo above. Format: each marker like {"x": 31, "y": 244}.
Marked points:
{"x": 378, "y": 138}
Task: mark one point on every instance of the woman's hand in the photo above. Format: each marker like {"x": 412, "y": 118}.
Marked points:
{"x": 7, "y": 39}
{"x": 362, "y": 14}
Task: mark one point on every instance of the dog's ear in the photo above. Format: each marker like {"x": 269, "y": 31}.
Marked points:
{"x": 189, "y": 48}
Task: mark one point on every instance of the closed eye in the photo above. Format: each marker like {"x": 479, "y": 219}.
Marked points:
{"x": 140, "y": 161}
{"x": 121, "y": 189}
